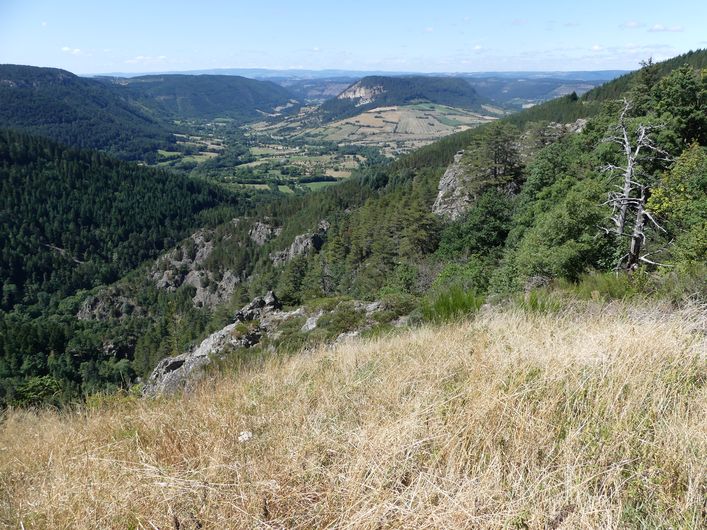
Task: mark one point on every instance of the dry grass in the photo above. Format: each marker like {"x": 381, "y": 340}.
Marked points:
{"x": 596, "y": 419}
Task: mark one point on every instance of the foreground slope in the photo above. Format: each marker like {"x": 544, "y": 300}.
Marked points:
{"x": 593, "y": 418}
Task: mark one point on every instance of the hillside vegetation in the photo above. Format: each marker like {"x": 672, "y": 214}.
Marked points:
{"x": 591, "y": 417}
{"x": 72, "y": 219}
{"x": 207, "y": 96}
{"x": 79, "y": 112}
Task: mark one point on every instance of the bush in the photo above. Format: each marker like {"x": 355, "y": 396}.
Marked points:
{"x": 606, "y": 286}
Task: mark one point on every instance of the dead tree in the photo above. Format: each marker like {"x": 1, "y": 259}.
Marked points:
{"x": 629, "y": 200}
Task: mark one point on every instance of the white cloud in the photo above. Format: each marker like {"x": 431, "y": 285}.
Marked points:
{"x": 597, "y": 48}
{"x": 659, "y": 28}
{"x": 429, "y": 30}
{"x": 44, "y": 24}
{"x": 519, "y": 22}
{"x": 72, "y": 51}
{"x": 632, "y": 24}
{"x": 478, "y": 47}
{"x": 316, "y": 49}
{"x": 571, "y": 24}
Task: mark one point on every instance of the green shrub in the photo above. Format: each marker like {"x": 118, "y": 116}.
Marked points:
{"x": 539, "y": 301}
{"x": 606, "y": 286}
{"x": 452, "y": 303}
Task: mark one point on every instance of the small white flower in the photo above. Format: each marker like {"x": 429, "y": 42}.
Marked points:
{"x": 244, "y": 436}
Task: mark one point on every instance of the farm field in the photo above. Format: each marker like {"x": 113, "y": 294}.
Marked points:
{"x": 395, "y": 130}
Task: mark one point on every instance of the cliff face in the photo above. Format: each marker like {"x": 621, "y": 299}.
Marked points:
{"x": 363, "y": 93}
{"x": 452, "y": 198}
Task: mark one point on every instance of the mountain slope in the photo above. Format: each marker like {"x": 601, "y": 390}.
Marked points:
{"x": 78, "y": 112}
{"x": 71, "y": 219}
{"x": 380, "y": 91}
{"x": 207, "y": 96}
{"x": 571, "y": 107}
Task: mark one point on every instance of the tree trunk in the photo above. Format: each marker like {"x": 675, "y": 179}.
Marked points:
{"x": 637, "y": 236}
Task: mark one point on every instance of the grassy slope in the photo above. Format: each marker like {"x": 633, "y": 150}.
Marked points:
{"x": 590, "y": 419}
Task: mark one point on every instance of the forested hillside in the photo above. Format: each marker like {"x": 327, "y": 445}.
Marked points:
{"x": 73, "y": 219}
{"x": 380, "y": 91}
{"x": 79, "y": 112}
{"x": 207, "y": 96}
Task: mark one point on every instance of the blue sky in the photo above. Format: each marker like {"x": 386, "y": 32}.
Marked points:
{"x": 426, "y": 36}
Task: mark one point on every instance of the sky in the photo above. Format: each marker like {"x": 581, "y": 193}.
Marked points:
{"x": 91, "y": 37}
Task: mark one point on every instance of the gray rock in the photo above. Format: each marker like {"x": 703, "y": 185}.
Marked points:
{"x": 260, "y": 233}
{"x": 374, "y": 307}
{"x": 577, "y": 127}
{"x": 109, "y": 303}
{"x": 311, "y": 323}
{"x": 184, "y": 266}
{"x": 258, "y": 307}
{"x": 347, "y": 336}
{"x": 181, "y": 371}
{"x": 452, "y": 198}
{"x": 302, "y": 244}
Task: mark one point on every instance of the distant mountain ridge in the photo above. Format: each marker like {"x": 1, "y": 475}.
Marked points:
{"x": 206, "y": 96}
{"x": 305, "y": 74}
{"x": 128, "y": 118}
{"x": 379, "y": 91}
{"x": 77, "y": 111}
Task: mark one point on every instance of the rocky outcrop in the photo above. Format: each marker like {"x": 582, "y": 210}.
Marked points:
{"x": 576, "y": 127}
{"x": 180, "y": 372}
{"x": 363, "y": 93}
{"x": 110, "y": 303}
{"x": 461, "y": 185}
{"x": 263, "y": 318}
{"x": 260, "y": 233}
{"x": 302, "y": 244}
{"x": 452, "y": 197}
{"x": 184, "y": 265}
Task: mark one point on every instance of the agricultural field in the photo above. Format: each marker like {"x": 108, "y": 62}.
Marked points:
{"x": 299, "y": 154}
{"x": 395, "y": 130}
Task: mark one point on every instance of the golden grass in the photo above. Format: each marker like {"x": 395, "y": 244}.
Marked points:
{"x": 594, "y": 419}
